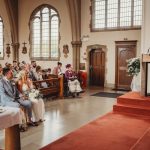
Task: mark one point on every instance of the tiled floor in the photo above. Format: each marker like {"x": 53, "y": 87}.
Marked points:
{"x": 63, "y": 116}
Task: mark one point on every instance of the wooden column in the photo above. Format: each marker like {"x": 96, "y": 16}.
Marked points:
{"x": 76, "y": 45}
{"x": 61, "y": 86}
{"x": 15, "y": 47}
{"x": 12, "y": 138}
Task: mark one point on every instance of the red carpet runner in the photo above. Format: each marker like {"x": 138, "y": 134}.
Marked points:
{"x": 114, "y": 131}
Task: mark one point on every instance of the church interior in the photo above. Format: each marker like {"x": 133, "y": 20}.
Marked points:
{"x": 74, "y": 75}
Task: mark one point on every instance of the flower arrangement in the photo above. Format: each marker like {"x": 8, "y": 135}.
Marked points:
{"x": 34, "y": 94}
{"x": 133, "y": 66}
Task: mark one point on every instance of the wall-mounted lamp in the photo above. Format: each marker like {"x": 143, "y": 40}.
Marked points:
{"x": 24, "y": 48}
{"x": 85, "y": 38}
{"x": 8, "y": 52}
{"x": 84, "y": 57}
{"x": 125, "y": 39}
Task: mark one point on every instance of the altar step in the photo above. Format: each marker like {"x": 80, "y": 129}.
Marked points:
{"x": 131, "y": 109}
{"x": 133, "y": 103}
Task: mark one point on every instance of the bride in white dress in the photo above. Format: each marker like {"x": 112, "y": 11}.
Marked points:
{"x": 25, "y": 86}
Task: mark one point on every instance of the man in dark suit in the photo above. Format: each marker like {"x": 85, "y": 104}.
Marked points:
{"x": 10, "y": 96}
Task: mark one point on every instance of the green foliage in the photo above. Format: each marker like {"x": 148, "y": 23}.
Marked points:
{"x": 133, "y": 66}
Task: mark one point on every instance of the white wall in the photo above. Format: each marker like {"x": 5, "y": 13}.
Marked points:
{"x": 106, "y": 38}
{"x": 26, "y": 7}
{"x": 7, "y": 34}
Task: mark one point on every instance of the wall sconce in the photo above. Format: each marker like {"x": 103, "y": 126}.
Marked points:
{"x": 125, "y": 39}
{"x": 65, "y": 50}
{"x": 24, "y": 48}
{"x": 84, "y": 57}
{"x": 8, "y": 52}
{"x": 85, "y": 38}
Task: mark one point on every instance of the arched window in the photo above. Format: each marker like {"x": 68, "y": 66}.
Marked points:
{"x": 44, "y": 33}
{"x": 1, "y": 39}
{"x": 116, "y": 14}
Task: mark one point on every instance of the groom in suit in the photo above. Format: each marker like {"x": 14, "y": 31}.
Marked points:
{"x": 10, "y": 96}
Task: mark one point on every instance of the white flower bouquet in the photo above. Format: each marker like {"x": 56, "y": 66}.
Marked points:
{"x": 133, "y": 66}
{"x": 34, "y": 94}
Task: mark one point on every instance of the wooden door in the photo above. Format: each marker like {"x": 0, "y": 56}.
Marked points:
{"x": 97, "y": 67}
{"x": 124, "y": 51}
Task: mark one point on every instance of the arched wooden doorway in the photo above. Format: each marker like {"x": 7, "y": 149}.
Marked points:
{"x": 97, "y": 67}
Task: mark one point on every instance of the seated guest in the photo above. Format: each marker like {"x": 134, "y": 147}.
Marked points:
{"x": 57, "y": 70}
{"x": 23, "y": 62}
{"x": 73, "y": 83}
{"x": 33, "y": 64}
{"x": 38, "y": 73}
{"x": 15, "y": 68}
{"x": 9, "y": 65}
{"x": 6, "y": 64}
{"x": 10, "y": 96}
{"x": 48, "y": 71}
{"x": 44, "y": 74}
{"x": 25, "y": 86}
{"x": 32, "y": 71}
{"x": 38, "y": 76}
{"x": 15, "y": 64}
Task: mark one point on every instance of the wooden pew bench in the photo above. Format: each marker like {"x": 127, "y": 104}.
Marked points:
{"x": 61, "y": 83}
{"x": 52, "y": 87}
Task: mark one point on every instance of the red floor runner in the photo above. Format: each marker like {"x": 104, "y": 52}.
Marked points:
{"x": 110, "y": 132}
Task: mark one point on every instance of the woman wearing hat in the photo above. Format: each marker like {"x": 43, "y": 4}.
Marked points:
{"x": 73, "y": 83}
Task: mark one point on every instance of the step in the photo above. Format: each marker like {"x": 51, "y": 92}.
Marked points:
{"x": 134, "y": 95}
{"x": 136, "y": 102}
{"x": 132, "y": 109}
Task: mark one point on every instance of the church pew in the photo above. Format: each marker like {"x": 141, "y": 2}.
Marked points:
{"x": 53, "y": 87}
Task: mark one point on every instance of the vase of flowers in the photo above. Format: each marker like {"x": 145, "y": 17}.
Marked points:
{"x": 133, "y": 69}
